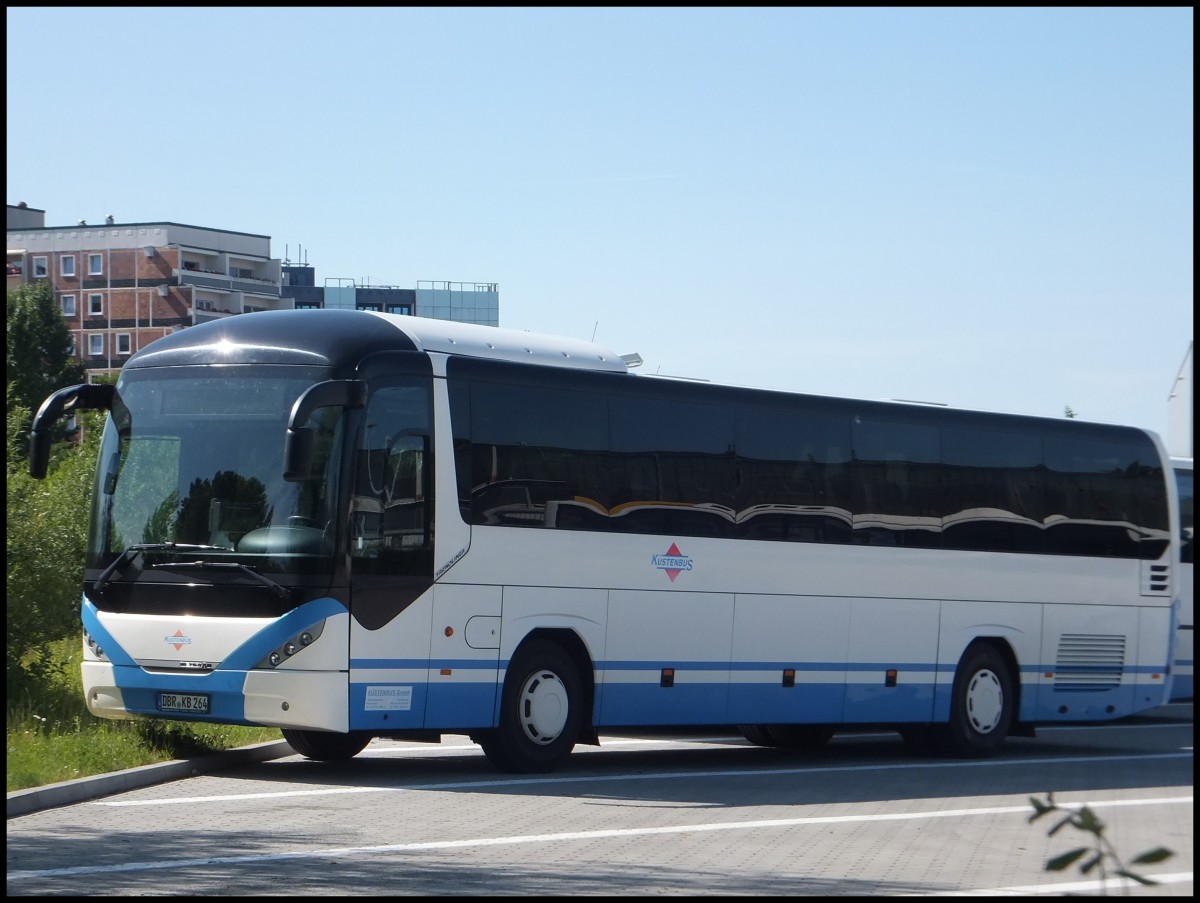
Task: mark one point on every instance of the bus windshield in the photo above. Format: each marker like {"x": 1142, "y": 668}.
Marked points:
{"x": 191, "y": 461}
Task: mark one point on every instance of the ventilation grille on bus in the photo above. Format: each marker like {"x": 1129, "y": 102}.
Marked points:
{"x": 1088, "y": 661}
{"x": 1156, "y": 579}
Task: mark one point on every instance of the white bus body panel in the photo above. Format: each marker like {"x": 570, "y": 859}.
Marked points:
{"x": 808, "y": 634}
{"x": 175, "y": 638}
{"x": 899, "y": 634}
{"x": 912, "y": 610}
{"x": 298, "y": 699}
{"x": 183, "y": 654}
{"x": 685, "y": 632}
{"x": 964, "y": 621}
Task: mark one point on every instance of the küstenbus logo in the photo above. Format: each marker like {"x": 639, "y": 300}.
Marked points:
{"x": 674, "y": 562}
{"x": 178, "y": 639}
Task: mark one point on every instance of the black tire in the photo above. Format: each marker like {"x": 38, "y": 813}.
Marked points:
{"x": 981, "y": 707}
{"x": 809, "y": 737}
{"x": 326, "y": 746}
{"x": 758, "y": 734}
{"x": 541, "y": 710}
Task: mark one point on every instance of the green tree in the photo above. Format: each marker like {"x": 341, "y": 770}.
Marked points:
{"x": 39, "y": 347}
{"x": 1100, "y": 856}
{"x": 45, "y": 544}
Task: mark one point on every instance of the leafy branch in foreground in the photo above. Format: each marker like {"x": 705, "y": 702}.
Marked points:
{"x": 1100, "y": 855}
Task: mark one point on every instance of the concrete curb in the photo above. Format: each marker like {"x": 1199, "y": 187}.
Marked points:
{"x": 64, "y": 793}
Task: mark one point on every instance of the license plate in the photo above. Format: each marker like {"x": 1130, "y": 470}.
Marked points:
{"x": 195, "y": 703}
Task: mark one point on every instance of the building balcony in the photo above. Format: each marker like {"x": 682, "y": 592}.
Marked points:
{"x": 222, "y": 283}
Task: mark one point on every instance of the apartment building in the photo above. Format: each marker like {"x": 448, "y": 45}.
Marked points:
{"x": 120, "y": 286}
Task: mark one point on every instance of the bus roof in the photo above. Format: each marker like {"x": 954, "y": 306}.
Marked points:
{"x": 497, "y": 343}
{"x": 341, "y": 338}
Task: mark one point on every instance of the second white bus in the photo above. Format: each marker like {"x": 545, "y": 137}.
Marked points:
{"x": 1182, "y": 686}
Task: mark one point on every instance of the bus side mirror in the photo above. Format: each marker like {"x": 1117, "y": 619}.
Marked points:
{"x": 297, "y": 454}
{"x": 298, "y": 443}
{"x": 85, "y": 396}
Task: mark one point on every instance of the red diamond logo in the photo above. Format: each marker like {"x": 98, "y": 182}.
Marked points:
{"x": 674, "y": 553}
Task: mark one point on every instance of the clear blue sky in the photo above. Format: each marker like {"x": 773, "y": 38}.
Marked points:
{"x": 987, "y": 208}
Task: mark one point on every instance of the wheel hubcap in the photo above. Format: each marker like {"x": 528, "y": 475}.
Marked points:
{"x": 985, "y": 701}
{"x": 543, "y": 707}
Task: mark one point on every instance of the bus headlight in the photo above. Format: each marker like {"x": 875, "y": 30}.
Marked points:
{"x": 291, "y": 646}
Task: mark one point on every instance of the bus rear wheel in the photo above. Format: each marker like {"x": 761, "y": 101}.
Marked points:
{"x": 326, "y": 746}
{"x": 981, "y": 707}
{"x": 541, "y": 710}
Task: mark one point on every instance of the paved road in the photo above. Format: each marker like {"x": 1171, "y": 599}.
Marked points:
{"x": 685, "y": 814}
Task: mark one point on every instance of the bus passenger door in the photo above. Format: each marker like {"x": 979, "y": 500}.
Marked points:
{"x": 390, "y": 535}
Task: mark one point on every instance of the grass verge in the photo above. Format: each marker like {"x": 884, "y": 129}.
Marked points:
{"x": 51, "y": 736}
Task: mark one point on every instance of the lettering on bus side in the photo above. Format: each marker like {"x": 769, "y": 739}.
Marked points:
{"x": 388, "y": 699}
{"x": 449, "y": 564}
{"x": 674, "y": 562}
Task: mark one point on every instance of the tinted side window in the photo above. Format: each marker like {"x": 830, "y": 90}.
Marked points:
{"x": 1104, "y": 499}
{"x": 390, "y": 519}
{"x": 793, "y": 475}
{"x": 1183, "y": 481}
{"x": 993, "y": 499}
{"x": 533, "y": 451}
{"x": 672, "y": 466}
{"x": 895, "y": 476}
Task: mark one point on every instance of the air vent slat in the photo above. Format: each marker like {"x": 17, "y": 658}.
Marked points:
{"x": 1156, "y": 579}
{"x": 1089, "y": 662}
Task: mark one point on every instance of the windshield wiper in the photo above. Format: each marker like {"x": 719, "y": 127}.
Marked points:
{"x": 130, "y": 553}
{"x": 277, "y": 588}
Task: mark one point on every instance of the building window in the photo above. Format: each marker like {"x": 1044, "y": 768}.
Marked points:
{"x": 73, "y": 347}
{"x": 95, "y": 264}
{"x": 67, "y": 262}
{"x": 96, "y": 344}
{"x": 123, "y": 343}
{"x": 95, "y": 305}
{"x": 39, "y": 268}
{"x": 68, "y": 305}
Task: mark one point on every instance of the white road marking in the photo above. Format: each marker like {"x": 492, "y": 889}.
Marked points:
{"x": 479, "y": 842}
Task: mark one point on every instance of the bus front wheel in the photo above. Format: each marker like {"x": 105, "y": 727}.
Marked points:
{"x": 325, "y": 746}
{"x": 981, "y": 707}
{"x": 541, "y": 710}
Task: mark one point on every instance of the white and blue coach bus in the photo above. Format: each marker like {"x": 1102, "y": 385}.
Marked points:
{"x": 1182, "y": 686}
{"x": 350, "y": 525}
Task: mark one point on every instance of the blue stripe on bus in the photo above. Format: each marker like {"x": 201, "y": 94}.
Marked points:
{"x": 423, "y": 664}
{"x": 766, "y": 667}
{"x": 296, "y": 621}
{"x": 113, "y": 650}
{"x": 140, "y": 689}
